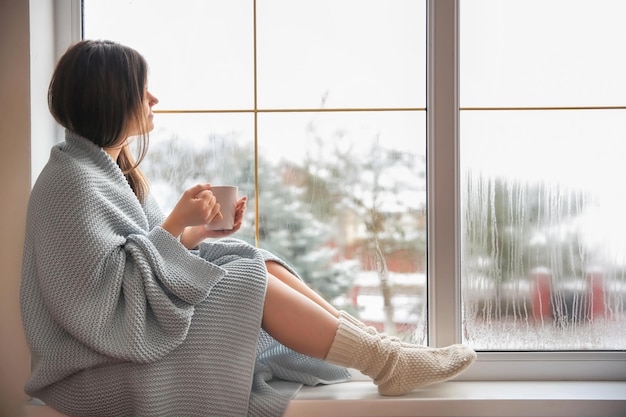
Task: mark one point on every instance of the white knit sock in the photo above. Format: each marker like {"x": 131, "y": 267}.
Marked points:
{"x": 395, "y": 369}
{"x": 369, "y": 329}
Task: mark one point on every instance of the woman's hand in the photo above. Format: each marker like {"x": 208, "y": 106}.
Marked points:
{"x": 193, "y": 235}
{"x": 196, "y": 207}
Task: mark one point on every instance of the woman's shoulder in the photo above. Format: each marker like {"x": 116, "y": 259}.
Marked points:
{"x": 74, "y": 178}
{"x": 76, "y": 162}
{"x": 62, "y": 173}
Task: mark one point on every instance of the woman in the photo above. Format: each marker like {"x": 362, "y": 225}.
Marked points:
{"x": 129, "y": 312}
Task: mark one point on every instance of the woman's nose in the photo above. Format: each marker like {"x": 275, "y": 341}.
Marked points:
{"x": 152, "y": 99}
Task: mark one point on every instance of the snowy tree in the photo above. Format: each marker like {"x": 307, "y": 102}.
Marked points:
{"x": 287, "y": 224}
{"x": 380, "y": 190}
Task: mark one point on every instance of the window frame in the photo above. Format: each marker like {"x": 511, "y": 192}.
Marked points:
{"x": 444, "y": 272}
{"x": 443, "y": 255}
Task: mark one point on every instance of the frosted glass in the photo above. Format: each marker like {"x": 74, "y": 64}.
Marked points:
{"x": 543, "y": 244}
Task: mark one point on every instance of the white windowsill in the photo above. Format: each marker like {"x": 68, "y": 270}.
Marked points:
{"x": 466, "y": 398}
{"x": 452, "y": 399}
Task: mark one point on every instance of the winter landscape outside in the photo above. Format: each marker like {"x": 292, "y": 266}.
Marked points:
{"x": 326, "y": 135}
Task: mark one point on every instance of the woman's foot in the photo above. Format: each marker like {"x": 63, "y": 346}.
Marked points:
{"x": 396, "y": 368}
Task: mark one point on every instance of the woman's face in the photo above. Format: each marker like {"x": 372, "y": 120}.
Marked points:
{"x": 137, "y": 126}
{"x": 149, "y": 100}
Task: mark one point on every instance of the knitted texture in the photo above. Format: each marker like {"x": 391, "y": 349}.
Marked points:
{"x": 122, "y": 320}
{"x": 395, "y": 368}
{"x": 369, "y": 329}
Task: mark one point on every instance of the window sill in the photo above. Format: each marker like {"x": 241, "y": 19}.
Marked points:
{"x": 466, "y": 398}
{"x": 451, "y": 399}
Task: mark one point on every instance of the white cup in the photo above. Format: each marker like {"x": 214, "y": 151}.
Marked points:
{"x": 226, "y": 196}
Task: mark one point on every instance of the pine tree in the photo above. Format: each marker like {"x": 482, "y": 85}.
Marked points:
{"x": 287, "y": 224}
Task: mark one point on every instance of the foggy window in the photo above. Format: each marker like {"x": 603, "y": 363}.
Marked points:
{"x": 542, "y": 139}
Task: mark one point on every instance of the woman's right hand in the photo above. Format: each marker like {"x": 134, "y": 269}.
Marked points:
{"x": 196, "y": 206}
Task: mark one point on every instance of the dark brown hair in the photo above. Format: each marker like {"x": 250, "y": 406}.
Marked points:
{"x": 97, "y": 91}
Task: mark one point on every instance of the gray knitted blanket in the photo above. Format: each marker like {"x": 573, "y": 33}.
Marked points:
{"x": 122, "y": 320}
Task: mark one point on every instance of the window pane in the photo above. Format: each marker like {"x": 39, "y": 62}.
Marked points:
{"x": 544, "y": 248}
{"x": 345, "y": 201}
{"x": 542, "y": 53}
{"x": 186, "y": 149}
{"x": 349, "y": 53}
{"x": 200, "y": 52}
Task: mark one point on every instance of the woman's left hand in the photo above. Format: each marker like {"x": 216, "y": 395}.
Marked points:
{"x": 193, "y": 235}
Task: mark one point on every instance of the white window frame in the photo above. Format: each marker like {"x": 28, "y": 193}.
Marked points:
{"x": 443, "y": 210}
{"x": 444, "y": 225}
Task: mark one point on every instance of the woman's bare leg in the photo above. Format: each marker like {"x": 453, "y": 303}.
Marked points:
{"x": 296, "y": 320}
{"x": 283, "y": 274}
{"x": 300, "y": 323}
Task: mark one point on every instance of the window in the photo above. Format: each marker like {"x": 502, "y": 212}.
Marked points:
{"x": 542, "y": 144}
{"x": 316, "y": 110}
{"x": 335, "y": 118}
